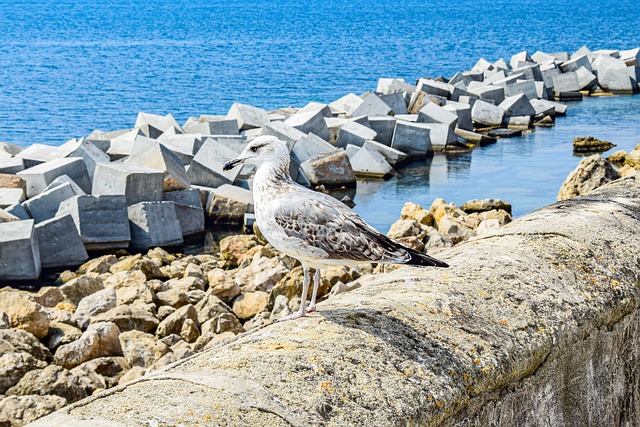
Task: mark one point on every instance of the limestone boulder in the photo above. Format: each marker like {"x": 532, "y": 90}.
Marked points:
{"x": 484, "y": 205}
{"x": 222, "y": 286}
{"x": 14, "y": 365}
{"x": 94, "y": 304}
{"x": 99, "y": 340}
{"x": 234, "y": 248}
{"x": 128, "y": 318}
{"x": 173, "y": 324}
{"x": 591, "y": 173}
{"x": 261, "y": 275}
{"x": 101, "y": 373}
{"x": 24, "y": 314}
{"x": 412, "y": 211}
{"x": 247, "y": 305}
{"x": 142, "y": 349}
{"x": 78, "y": 288}
{"x": 52, "y": 380}
{"x": 21, "y": 410}
{"x": 61, "y": 334}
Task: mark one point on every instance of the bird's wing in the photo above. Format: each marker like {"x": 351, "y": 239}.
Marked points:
{"x": 326, "y": 223}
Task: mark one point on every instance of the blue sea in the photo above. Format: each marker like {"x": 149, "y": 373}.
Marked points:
{"x": 69, "y": 67}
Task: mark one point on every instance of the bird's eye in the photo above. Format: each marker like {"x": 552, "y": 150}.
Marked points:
{"x": 254, "y": 148}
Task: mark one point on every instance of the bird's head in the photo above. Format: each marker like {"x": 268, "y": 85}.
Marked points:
{"x": 263, "y": 149}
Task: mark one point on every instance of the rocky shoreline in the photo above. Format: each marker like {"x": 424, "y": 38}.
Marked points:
{"x": 116, "y": 318}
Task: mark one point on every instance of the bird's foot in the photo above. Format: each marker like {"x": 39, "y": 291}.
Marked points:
{"x": 311, "y": 309}
{"x": 292, "y": 316}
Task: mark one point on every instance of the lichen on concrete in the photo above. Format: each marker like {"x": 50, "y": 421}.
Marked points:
{"x": 535, "y": 323}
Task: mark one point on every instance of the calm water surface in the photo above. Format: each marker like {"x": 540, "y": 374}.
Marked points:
{"x": 68, "y": 67}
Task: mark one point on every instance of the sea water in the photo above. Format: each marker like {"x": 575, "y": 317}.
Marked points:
{"x": 69, "y": 67}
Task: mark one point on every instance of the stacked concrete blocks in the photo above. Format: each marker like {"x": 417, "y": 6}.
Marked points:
{"x": 153, "y": 224}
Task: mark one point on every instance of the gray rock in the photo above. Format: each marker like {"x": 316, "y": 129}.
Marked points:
{"x": 99, "y": 340}
{"x": 40, "y": 176}
{"x": 45, "y": 205}
{"x": 591, "y": 173}
{"x": 154, "y": 224}
{"x": 207, "y": 166}
{"x": 412, "y": 138}
{"x": 355, "y": 134}
{"x": 310, "y": 122}
{"x": 487, "y": 114}
{"x": 59, "y": 243}
{"x": 160, "y": 158}
{"x": 247, "y": 116}
{"x": 22, "y": 410}
{"x": 94, "y": 304}
{"x": 174, "y": 323}
{"x": 101, "y": 221}
{"x": 136, "y": 183}
{"x": 331, "y": 169}
{"x": 19, "y": 251}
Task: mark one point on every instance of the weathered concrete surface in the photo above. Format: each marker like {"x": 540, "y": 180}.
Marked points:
{"x": 535, "y": 324}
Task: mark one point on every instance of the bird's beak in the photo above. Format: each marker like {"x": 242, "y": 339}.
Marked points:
{"x": 232, "y": 164}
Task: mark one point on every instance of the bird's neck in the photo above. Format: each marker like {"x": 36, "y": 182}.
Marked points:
{"x": 269, "y": 177}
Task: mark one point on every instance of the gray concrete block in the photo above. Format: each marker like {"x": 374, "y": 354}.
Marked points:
{"x": 331, "y": 170}
{"x": 586, "y": 79}
{"x": 190, "y": 197}
{"x": 249, "y": 220}
{"x": 418, "y": 100}
{"x": 441, "y": 135}
{"x": 346, "y": 105}
{"x": 309, "y": 146}
{"x": 433, "y": 87}
{"x": 384, "y": 127}
{"x": 101, "y": 221}
{"x": 153, "y": 125}
{"x": 387, "y": 85}
{"x": 355, "y": 134}
{"x": 191, "y": 219}
{"x": 38, "y": 177}
{"x": 530, "y": 71}
{"x": 574, "y": 63}
{"x": 154, "y": 224}
{"x": 206, "y": 167}
{"x": 136, "y": 183}
{"x": 412, "y": 138}
{"x": 520, "y": 57}
{"x": 619, "y": 81}
{"x": 183, "y": 146}
{"x": 432, "y": 113}
{"x": 490, "y": 92}
{"x": 457, "y": 91}
{"x": 352, "y": 150}
{"x": 548, "y": 75}
{"x": 59, "y": 243}
{"x": 372, "y": 105}
{"x": 334, "y": 125}
{"x": 11, "y": 165}
{"x": 160, "y": 158}
{"x": 10, "y": 196}
{"x": 566, "y": 82}
{"x": 310, "y": 121}
{"x": 370, "y": 164}
{"x": 64, "y": 179}
{"x": 18, "y": 211}
{"x": 19, "y": 251}
{"x": 317, "y": 106}
{"x": 227, "y": 204}
{"x": 45, "y": 205}
{"x": 560, "y": 56}
{"x": 542, "y": 108}
{"x": 36, "y": 154}
{"x": 247, "y": 116}
{"x": 463, "y": 112}
{"x": 396, "y": 101}
{"x": 517, "y": 122}
{"x": 631, "y": 57}
{"x": 482, "y": 65}
{"x": 391, "y": 155}
{"x": 90, "y": 154}
{"x": 527, "y": 87}
{"x": 123, "y": 145}
{"x": 9, "y": 148}
{"x": 517, "y": 105}
{"x": 212, "y": 125}
{"x": 485, "y": 114}
{"x": 540, "y": 57}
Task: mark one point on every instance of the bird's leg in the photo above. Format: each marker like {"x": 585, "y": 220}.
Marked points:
{"x": 305, "y": 290}
{"x": 316, "y": 285}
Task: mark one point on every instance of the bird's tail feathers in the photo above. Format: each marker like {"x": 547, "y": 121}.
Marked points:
{"x": 423, "y": 260}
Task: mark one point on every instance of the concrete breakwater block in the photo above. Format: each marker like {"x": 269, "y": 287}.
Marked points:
{"x": 486, "y": 114}
{"x": 391, "y": 155}
{"x": 101, "y": 221}
{"x": 372, "y": 105}
{"x": 463, "y": 112}
{"x": 227, "y": 204}
{"x": 190, "y": 197}
{"x": 40, "y": 176}
{"x": 207, "y": 166}
{"x": 19, "y": 252}
{"x": 153, "y": 125}
{"x": 45, "y": 205}
{"x": 91, "y": 155}
{"x": 11, "y": 165}
{"x": 309, "y": 146}
{"x": 331, "y": 169}
{"x": 59, "y": 243}
{"x": 212, "y": 125}
{"x": 247, "y": 116}
{"x": 18, "y": 211}
{"x": 370, "y": 164}
{"x": 384, "y": 127}
{"x": 191, "y": 218}
{"x": 183, "y": 146}
{"x": 414, "y": 139}
{"x": 310, "y": 122}
{"x": 160, "y": 158}
{"x": 355, "y": 134}
{"x": 10, "y": 196}
{"x": 517, "y": 105}
{"x": 432, "y": 113}
{"x": 440, "y": 135}
{"x": 137, "y": 183}
{"x": 154, "y": 224}
{"x": 284, "y": 132}
{"x": 346, "y": 104}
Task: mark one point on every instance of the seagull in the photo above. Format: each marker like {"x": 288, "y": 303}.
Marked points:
{"x": 315, "y": 228}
